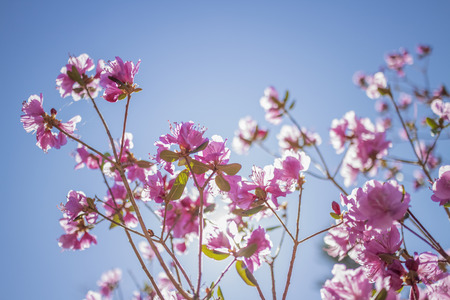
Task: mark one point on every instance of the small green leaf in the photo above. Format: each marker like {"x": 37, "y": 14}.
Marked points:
{"x": 210, "y": 208}
{"x": 169, "y": 156}
{"x": 116, "y": 219}
{"x": 144, "y": 164}
{"x": 137, "y": 90}
{"x": 252, "y": 211}
{"x": 222, "y": 183}
{"x": 447, "y": 204}
{"x": 122, "y": 96}
{"x": 248, "y": 250}
{"x": 385, "y": 91}
{"x": 286, "y": 97}
{"x": 178, "y": 187}
{"x": 272, "y": 228}
{"x": 230, "y": 169}
{"x": 432, "y": 123}
{"x": 200, "y": 148}
{"x": 245, "y": 274}
{"x": 292, "y": 105}
{"x": 381, "y": 295}
{"x": 75, "y": 75}
{"x": 260, "y": 193}
{"x": 335, "y": 216}
{"x": 217, "y": 255}
{"x": 198, "y": 167}
{"x": 220, "y": 294}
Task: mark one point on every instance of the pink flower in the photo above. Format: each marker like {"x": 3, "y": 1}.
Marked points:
{"x": 404, "y": 101}
{"x": 218, "y": 240}
{"x": 68, "y": 83}
{"x": 381, "y": 106}
{"x": 117, "y": 204}
{"x": 337, "y": 241}
{"x": 272, "y": 105}
{"x": 441, "y": 187}
{"x": 288, "y": 168}
{"x": 84, "y": 158}
{"x": 37, "y": 121}
{"x": 261, "y": 239}
{"x": 216, "y": 153}
{"x": 381, "y": 204}
{"x": 375, "y": 82}
{"x": 423, "y": 50}
{"x": 109, "y": 281}
{"x": 442, "y": 109}
{"x": 428, "y": 267}
{"x": 118, "y": 79}
{"x": 398, "y": 60}
{"x": 440, "y": 290}
{"x": 248, "y": 133}
{"x": 76, "y": 205}
{"x": 157, "y": 187}
{"x": 292, "y": 138}
{"x": 265, "y": 180}
{"x": 147, "y": 251}
{"x": 91, "y": 295}
{"x": 346, "y": 284}
{"x": 359, "y": 79}
{"x": 77, "y": 236}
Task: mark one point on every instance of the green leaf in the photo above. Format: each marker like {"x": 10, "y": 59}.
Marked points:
{"x": 220, "y": 294}
{"x": 200, "y": 148}
{"x": 217, "y": 255}
{"x": 137, "y": 90}
{"x": 432, "y": 123}
{"x": 248, "y": 250}
{"x": 260, "y": 193}
{"x": 222, "y": 183}
{"x": 144, "y": 164}
{"x": 198, "y": 167}
{"x": 245, "y": 274}
{"x": 178, "y": 187}
{"x": 230, "y": 169}
{"x": 272, "y": 228}
{"x": 447, "y": 204}
{"x": 210, "y": 208}
{"x": 169, "y": 156}
{"x": 115, "y": 218}
{"x": 335, "y": 216}
{"x": 252, "y": 211}
{"x": 381, "y": 295}
{"x": 122, "y": 96}
{"x": 286, "y": 96}
{"x": 292, "y": 105}
{"x": 75, "y": 75}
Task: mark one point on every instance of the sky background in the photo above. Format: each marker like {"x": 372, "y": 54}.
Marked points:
{"x": 205, "y": 61}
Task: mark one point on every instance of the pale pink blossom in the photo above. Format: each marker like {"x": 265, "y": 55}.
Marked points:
{"x": 118, "y": 79}
{"x": 76, "y": 205}
{"x": 91, "y": 295}
{"x": 423, "y": 50}
{"x": 248, "y": 133}
{"x": 441, "y": 187}
{"x": 272, "y": 105}
{"x": 77, "y": 235}
{"x": 116, "y": 204}
{"x": 428, "y": 267}
{"x": 398, "y": 60}
{"x": 440, "y": 290}
{"x": 109, "y": 281}
{"x": 442, "y": 109}
{"x": 375, "y": 82}
{"x": 265, "y": 180}
{"x": 346, "y": 284}
{"x": 404, "y": 101}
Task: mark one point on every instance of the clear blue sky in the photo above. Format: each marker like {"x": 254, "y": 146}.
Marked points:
{"x": 206, "y": 61}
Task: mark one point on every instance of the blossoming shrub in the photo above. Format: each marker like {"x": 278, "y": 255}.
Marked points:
{"x": 192, "y": 175}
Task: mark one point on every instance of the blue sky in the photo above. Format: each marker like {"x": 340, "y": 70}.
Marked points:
{"x": 205, "y": 61}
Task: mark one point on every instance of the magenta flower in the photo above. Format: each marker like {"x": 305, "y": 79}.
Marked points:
{"x": 440, "y": 290}
{"x": 265, "y": 180}
{"x": 216, "y": 153}
{"x": 118, "y": 79}
{"x": 428, "y": 267}
{"x": 272, "y": 105}
{"x": 117, "y": 204}
{"x": 346, "y": 284}
{"x": 37, "y": 121}
{"x": 441, "y": 187}
{"x": 261, "y": 239}
{"x": 442, "y": 109}
{"x": 337, "y": 241}
{"x": 77, "y": 235}
{"x": 157, "y": 187}
{"x": 423, "y": 50}
{"x": 218, "y": 240}
{"x": 381, "y": 204}
{"x": 68, "y": 83}
{"x": 248, "y": 133}
{"x": 109, "y": 281}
